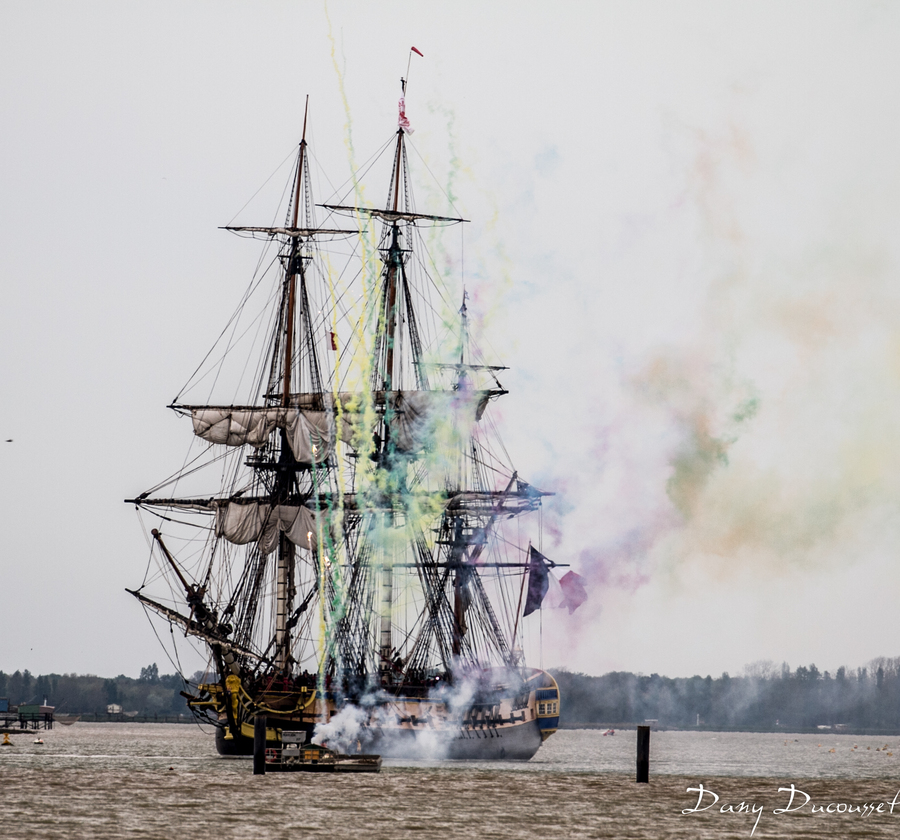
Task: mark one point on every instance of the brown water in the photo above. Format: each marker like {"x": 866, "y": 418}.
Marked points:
{"x": 165, "y": 781}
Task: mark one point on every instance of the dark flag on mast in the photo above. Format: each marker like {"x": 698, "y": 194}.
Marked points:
{"x": 538, "y": 583}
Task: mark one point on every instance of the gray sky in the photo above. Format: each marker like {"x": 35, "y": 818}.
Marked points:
{"x": 684, "y": 243}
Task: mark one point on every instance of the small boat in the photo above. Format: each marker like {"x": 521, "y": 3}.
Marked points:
{"x": 38, "y": 740}
{"x": 295, "y": 756}
{"x": 609, "y": 732}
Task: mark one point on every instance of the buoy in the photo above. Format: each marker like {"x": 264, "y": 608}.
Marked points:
{"x": 6, "y": 741}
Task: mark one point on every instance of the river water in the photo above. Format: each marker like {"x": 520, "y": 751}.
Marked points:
{"x": 166, "y": 781}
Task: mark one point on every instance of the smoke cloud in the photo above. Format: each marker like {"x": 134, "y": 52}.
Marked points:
{"x": 372, "y": 724}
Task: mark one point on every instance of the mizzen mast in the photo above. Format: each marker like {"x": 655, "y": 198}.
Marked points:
{"x": 394, "y": 260}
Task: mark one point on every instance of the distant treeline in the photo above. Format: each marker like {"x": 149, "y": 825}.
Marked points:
{"x": 149, "y": 694}
{"x": 764, "y": 697}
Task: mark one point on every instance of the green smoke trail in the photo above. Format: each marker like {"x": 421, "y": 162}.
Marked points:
{"x": 360, "y": 408}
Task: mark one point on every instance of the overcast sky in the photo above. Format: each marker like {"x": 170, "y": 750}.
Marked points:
{"x": 684, "y": 242}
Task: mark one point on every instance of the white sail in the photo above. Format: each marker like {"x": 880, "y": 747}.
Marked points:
{"x": 235, "y": 427}
{"x": 242, "y": 523}
{"x": 418, "y": 414}
{"x": 310, "y": 433}
{"x": 412, "y": 415}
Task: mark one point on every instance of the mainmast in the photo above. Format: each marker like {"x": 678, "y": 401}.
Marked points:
{"x": 394, "y": 263}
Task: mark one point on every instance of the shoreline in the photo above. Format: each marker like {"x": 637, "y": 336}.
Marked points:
{"x": 617, "y": 727}
{"x": 761, "y": 730}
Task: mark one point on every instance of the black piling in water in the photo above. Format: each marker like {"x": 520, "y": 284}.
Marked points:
{"x": 643, "y": 754}
{"x": 259, "y": 746}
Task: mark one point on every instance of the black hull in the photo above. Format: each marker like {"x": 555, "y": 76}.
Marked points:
{"x": 237, "y": 746}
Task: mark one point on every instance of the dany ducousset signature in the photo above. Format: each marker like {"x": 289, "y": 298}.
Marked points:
{"x": 797, "y": 801}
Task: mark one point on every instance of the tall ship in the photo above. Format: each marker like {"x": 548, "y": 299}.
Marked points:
{"x": 347, "y": 540}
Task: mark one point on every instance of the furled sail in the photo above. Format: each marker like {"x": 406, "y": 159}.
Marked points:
{"x": 241, "y": 523}
{"x": 413, "y": 417}
{"x": 310, "y": 433}
{"x": 417, "y": 414}
{"x": 235, "y": 427}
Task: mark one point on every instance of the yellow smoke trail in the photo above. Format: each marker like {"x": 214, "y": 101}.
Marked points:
{"x": 361, "y": 363}
{"x": 323, "y": 628}
{"x": 365, "y": 322}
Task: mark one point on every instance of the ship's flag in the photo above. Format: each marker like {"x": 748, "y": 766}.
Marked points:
{"x": 402, "y": 121}
{"x": 538, "y": 572}
{"x": 333, "y": 341}
{"x": 574, "y": 593}
{"x": 568, "y": 592}
{"x": 416, "y": 51}
{"x": 554, "y": 597}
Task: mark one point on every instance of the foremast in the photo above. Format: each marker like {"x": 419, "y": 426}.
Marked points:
{"x": 285, "y": 475}
{"x": 289, "y": 470}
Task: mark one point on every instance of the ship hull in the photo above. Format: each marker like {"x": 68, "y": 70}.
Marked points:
{"x": 512, "y": 742}
{"x": 513, "y": 729}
